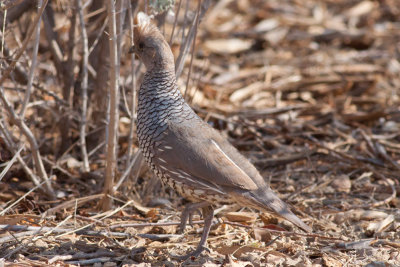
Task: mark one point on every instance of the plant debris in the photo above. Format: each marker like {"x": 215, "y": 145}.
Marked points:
{"x": 309, "y": 91}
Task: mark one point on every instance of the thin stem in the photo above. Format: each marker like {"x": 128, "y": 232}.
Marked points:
{"x": 190, "y": 38}
{"x": 10, "y": 163}
{"x": 128, "y": 170}
{"x": 84, "y": 85}
{"x": 29, "y": 87}
{"x": 2, "y": 38}
{"x": 175, "y": 22}
{"x": 111, "y": 159}
{"x": 193, "y": 49}
{"x": 133, "y": 100}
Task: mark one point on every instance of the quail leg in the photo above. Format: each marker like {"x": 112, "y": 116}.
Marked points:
{"x": 208, "y": 215}
{"x": 187, "y": 214}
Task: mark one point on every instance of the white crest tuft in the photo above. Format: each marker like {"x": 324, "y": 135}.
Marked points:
{"x": 142, "y": 20}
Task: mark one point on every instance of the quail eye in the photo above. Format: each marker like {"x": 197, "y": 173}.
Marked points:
{"x": 141, "y": 45}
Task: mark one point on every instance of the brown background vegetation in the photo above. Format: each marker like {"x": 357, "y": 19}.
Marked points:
{"x": 307, "y": 90}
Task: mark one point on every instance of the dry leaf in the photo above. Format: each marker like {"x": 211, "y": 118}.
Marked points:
{"x": 261, "y": 234}
{"x": 342, "y": 184}
{"x": 361, "y": 8}
{"x": 331, "y": 262}
{"x": 237, "y": 251}
{"x": 152, "y": 213}
{"x": 228, "y": 46}
{"x": 268, "y": 219}
{"x": 376, "y": 227}
{"x": 241, "y": 216}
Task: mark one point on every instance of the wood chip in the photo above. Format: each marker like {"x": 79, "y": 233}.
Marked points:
{"x": 241, "y": 216}
{"x": 228, "y": 46}
{"x": 376, "y": 227}
{"x": 342, "y": 184}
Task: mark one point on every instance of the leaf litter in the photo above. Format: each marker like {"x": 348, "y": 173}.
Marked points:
{"x": 307, "y": 90}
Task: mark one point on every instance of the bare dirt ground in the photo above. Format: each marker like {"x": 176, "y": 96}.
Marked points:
{"x": 308, "y": 90}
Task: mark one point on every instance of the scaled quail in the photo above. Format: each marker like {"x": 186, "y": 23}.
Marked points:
{"x": 184, "y": 151}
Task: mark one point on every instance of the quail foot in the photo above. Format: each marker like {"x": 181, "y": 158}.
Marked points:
{"x": 184, "y": 151}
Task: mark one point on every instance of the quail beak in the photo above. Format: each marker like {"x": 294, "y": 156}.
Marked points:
{"x": 132, "y": 50}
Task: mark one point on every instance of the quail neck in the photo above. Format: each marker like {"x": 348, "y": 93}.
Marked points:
{"x": 159, "y": 102}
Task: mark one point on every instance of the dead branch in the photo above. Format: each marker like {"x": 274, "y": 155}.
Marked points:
{"x": 84, "y": 85}
{"x": 111, "y": 160}
{"x": 33, "y": 66}
{"x": 133, "y": 98}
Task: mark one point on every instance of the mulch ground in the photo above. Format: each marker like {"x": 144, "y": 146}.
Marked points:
{"x": 309, "y": 91}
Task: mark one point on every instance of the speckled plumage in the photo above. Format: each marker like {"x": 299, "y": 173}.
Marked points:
{"x": 183, "y": 150}
{"x": 161, "y": 104}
